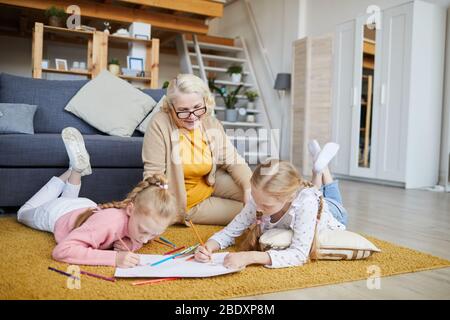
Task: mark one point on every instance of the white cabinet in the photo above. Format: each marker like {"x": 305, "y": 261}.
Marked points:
{"x": 387, "y": 99}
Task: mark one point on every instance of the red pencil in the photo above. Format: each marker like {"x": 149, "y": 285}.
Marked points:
{"x": 98, "y": 276}
{"x": 153, "y": 281}
{"x": 174, "y": 250}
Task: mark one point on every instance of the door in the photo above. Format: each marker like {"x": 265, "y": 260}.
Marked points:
{"x": 393, "y": 111}
{"x": 343, "y": 97}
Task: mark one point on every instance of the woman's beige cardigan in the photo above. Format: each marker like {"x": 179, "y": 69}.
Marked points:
{"x": 160, "y": 154}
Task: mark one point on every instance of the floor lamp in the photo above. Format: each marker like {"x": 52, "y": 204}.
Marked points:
{"x": 282, "y": 84}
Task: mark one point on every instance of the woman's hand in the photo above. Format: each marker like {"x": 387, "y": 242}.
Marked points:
{"x": 118, "y": 246}
{"x": 237, "y": 260}
{"x": 127, "y": 259}
{"x": 204, "y": 253}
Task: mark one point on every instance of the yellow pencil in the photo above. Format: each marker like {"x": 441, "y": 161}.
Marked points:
{"x": 196, "y": 233}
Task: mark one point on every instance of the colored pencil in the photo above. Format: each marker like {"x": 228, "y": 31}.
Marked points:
{"x": 174, "y": 250}
{"x": 166, "y": 259}
{"x": 196, "y": 233}
{"x": 167, "y": 241}
{"x": 187, "y": 251}
{"x": 191, "y": 258}
{"x": 153, "y": 281}
{"x": 98, "y": 276}
{"x": 123, "y": 243}
{"x": 63, "y": 273}
{"x": 160, "y": 242}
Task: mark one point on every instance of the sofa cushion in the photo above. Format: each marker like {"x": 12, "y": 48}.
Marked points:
{"x": 47, "y": 150}
{"x": 156, "y": 94}
{"x": 17, "y": 118}
{"x": 111, "y": 105}
{"x": 50, "y": 97}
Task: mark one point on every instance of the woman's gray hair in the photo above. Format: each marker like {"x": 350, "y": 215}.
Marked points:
{"x": 185, "y": 83}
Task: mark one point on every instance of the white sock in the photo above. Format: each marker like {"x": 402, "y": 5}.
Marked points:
{"x": 325, "y": 156}
{"x": 314, "y": 149}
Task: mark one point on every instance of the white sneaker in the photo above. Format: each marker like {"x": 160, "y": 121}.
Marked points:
{"x": 76, "y": 150}
{"x": 325, "y": 156}
{"x": 314, "y": 149}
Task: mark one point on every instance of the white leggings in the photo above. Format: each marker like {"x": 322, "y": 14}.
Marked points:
{"x": 46, "y": 207}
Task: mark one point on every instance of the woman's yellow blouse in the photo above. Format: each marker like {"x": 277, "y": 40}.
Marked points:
{"x": 197, "y": 163}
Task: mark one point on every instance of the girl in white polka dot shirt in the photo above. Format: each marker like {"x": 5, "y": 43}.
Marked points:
{"x": 281, "y": 199}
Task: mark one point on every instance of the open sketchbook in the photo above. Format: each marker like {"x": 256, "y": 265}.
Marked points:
{"x": 176, "y": 268}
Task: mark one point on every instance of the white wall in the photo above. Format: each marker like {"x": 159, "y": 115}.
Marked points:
{"x": 324, "y": 15}
{"x": 277, "y": 25}
{"x": 15, "y": 58}
{"x": 282, "y": 21}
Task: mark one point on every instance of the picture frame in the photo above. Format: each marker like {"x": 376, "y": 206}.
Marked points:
{"x": 61, "y": 64}
{"x": 135, "y": 63}
{"x": 142, "y": 36}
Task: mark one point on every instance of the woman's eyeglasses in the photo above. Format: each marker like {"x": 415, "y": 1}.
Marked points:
{"x": 186, "y": 114}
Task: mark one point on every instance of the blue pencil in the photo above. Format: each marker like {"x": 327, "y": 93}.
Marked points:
{"x": 165, "y": 259}
{"x": 167, "y": 241}
{"x": 185, "y": 251}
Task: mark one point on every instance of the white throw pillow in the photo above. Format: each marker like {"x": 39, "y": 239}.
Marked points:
{"x": 344, "y": 245}
{"x": 334, "y": 244}
{"x": 144, "y": 124}
{"x": 111, "y": 105}
{"x": 277, "y": 239}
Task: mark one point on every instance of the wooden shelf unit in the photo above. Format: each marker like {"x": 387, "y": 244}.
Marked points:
{"x": 97, "y": 53}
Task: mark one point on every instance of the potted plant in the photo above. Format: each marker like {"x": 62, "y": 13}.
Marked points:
{"x": 229, "y": 98}
{"x": 251, "y": 97}
{"x": 114, "y": 66}
{"x": 56, "y": 16}
{"x": 235, "y": 71}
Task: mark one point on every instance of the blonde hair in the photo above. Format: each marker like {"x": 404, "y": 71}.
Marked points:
{"x": 185, "y": 83}
{"x": 279, "y": 179}
{"x": 151, "y": 192}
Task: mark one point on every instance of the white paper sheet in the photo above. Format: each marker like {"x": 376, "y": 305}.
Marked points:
{"x": 176, "y": 268}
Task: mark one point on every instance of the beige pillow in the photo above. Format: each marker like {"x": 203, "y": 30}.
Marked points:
{"x": 344, "y": 245}
{"x": 144, "y": 124}
{"x": 111, "y": 105}
{"x": 334, "y": 244}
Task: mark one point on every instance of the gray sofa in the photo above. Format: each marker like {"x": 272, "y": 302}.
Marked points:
{"x": 28, "y": 161}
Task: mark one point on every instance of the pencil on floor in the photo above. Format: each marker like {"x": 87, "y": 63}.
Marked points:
{"x": 160, "y": 242}
{"x": 153, "y": 281}
{"x": 196, "y": 232}
{"x": 98, "y": 276}
{"x": 63, "y": 273}
{"x": 167, "y": 241}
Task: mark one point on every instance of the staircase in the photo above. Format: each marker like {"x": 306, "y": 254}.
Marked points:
{"x": 209, "y": 57}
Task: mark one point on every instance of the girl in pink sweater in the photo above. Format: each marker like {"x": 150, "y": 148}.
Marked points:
{"x": 86, "y": 232}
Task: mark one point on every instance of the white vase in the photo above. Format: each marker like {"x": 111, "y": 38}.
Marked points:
{"x": 114, "y": 69}
{"x": 231, "y": 115}
{"x": 236, "y": 77}
{"x": 250, "y": 105}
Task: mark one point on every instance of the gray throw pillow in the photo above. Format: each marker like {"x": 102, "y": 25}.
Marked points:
{"x": 17, "y": 118}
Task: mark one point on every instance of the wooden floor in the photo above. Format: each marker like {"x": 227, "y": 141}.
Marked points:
{"x": 413, "y": 218}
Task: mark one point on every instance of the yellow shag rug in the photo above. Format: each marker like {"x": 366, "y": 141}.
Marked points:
{"x": 25, "y": 256}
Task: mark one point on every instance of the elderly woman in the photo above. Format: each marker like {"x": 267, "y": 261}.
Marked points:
{"x": 185, "y": 142}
